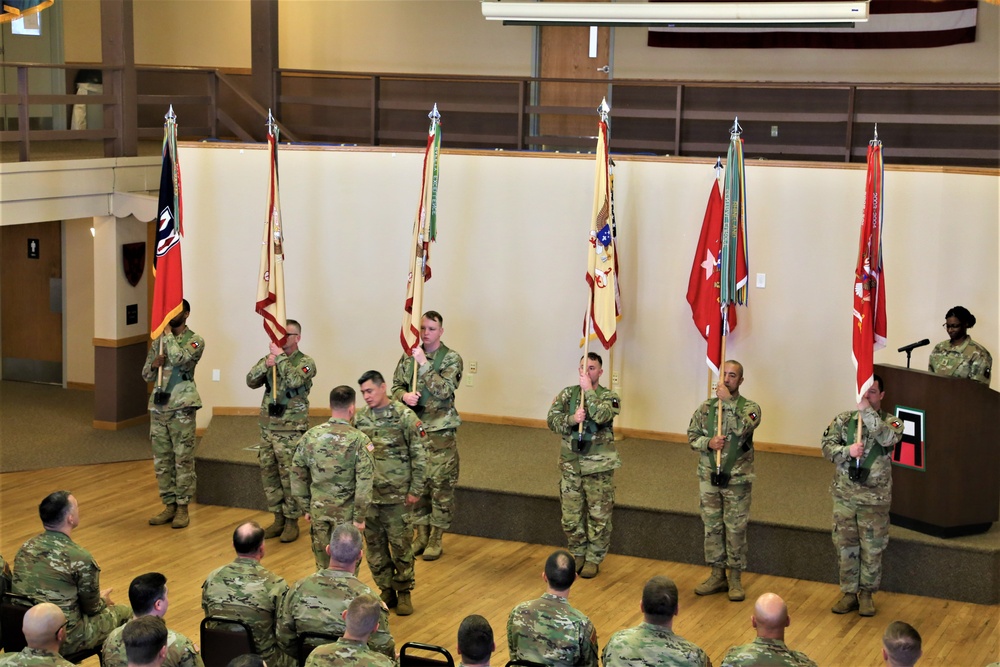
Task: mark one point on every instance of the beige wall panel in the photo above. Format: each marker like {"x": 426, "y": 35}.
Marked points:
{"x": 963, "y": 63}
{"x": 78, "y": 258}
{"x": 206, "y": 33}
{"x": 415, "y": 36}
{"x": 82, "y": 31}
{"x": 509, "y": 265}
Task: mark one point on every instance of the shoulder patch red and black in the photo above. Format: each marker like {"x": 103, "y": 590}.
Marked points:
{"x": 195, "y": 344}
{"x": 615, "y": 403}
{"x": 754, "y": 416}
{"x": 306, "y": 369}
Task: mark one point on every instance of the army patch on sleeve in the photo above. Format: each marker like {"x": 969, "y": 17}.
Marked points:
{"x": 370, "y": 447}
{"x": 306, "y": 369}
{"x": 420, "y": 429}
{"x": 195, "y": 344}
{"x": 615, "y": 404}
{"x": 754, "y": 416}
{"x": 895, "y": 423}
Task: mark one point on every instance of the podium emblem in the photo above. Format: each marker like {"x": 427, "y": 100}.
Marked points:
{"x": 909, "y": 452}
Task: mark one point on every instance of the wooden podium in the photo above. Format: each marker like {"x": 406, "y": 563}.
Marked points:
{"x": 947, "y": 482}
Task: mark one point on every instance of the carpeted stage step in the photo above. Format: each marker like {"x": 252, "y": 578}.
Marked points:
{"x": 509, "y": 489}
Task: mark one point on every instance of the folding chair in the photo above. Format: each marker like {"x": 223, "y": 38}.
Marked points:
{"x": 13, "y": 607}
{"x": 223, "y": 639}
{"x": 308, "y": 641}
{"x": 408, "y": 659}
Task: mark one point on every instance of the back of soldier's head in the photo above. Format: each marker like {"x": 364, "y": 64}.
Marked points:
{"x": 560, "y": 570}
{"x": 362, "y": 615}
{"x": 475, "y": 639}
{"x": 901, "y": 642}
{"x": 144, "y": 637}
{"x": 345, "y": 544}
{"x": 54, "y": 508}
{"x": 659, "y": 600}
{"x": 342, "y": 397}
{"x": 145, "y": 590}
{"x": 248, "y": 538}
{"x": 41, "y": 625}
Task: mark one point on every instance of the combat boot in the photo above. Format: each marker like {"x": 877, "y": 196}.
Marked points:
{"x": 434, "y": 549}
{"x": 866, "y": 606}
{"x": 389, "y": 598}
{"x": 181, "y": 519}
{"x": 404, "y": 607}
{"x": 589, "y": 570}
{"x": 847, "y": 604}
{"x": 165, "y": 516}
{"x": 278, "y": 525}
{"x": 716, "y": 583}
{"x": 420, "y": 541}
{"x": 291, "y": 530}
{"x": 736, "y": 593}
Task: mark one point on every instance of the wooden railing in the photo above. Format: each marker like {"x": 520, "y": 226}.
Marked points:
{"x": 955, "y": 125}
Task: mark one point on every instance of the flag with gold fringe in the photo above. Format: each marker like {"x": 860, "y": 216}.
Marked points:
{"x": 168, "y": 280}
{"x": 270, "y": 303}
{"x": 602, "y": 258}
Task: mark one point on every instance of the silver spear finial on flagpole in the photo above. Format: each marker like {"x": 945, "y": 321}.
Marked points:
{"x": 735, "y": 130}
{"x": 435, "y": 116}
{"x": 718, "y": 167}
{"x": 272, "y": 125}
{"x": 604, "y": 109}
{"x": 170, "y": 114}
{"x": 875, "y": 140}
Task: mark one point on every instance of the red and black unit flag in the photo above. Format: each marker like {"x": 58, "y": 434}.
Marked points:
{"x": 424, "y": 231}
{"x": 602, "y": 255}
{"x": 270, "y": 302}
{"x": 891, "y": 24}
{"x": 869, "y": 277}
{"x": 168, "y": 280}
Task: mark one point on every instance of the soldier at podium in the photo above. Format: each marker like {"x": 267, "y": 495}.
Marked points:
{"x": 960, "y": 356}
{"x": 862, "y": 492}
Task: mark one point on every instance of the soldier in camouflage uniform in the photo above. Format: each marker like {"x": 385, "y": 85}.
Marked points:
{"x": 172, "y": 409}
{"x": 5, "y": 578}
{"x": 145, "y": 639}
{"x": 53, "y": 568}
{"x": 725, "y": 507}
{"x": 960, "y": 356}
{"x": 361, "y": 621}
{"x": 769, "y": 619}
{"x": 148, "y": 595}
{"x": 400, "y": 440}
{"x": 653, "y": 642}
{"x": 548, "y": 630}
{"x": 317, "y": 603}
{"x": 862, "y": 492}
{"x": 901, "y": 645}
{"x": 282, "y": 423}
{"x": 245, "y": 590}
{"x": 433, "y": 399}
{"x": 475, "y": 642}
{"x": 44, "y": 630}
{"x": 588, "y": 460}
{"x": 332, "y": 473}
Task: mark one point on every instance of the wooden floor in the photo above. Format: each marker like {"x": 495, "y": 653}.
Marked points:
{"x": 475, "y": 575}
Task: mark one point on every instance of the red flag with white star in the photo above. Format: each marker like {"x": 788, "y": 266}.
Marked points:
{"x": 704, "y": 283}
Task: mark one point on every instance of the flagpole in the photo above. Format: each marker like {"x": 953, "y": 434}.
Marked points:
{"x": 170, "y": 126}
{"x": 272, "y": 130}
{"x": 418, "y": 287}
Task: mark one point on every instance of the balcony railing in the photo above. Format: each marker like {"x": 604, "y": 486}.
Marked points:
{"x": 953, "y": 125}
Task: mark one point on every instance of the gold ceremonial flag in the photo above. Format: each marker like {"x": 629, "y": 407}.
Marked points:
{"x": 602, "y": 268}
{"x": 271, "y": 278}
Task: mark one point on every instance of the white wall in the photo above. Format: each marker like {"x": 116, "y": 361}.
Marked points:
{"x": 78, "y": 257}
{"x": 510, "y": 260}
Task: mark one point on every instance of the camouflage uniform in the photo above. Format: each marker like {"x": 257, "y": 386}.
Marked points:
{"x": 766, "y": 653}
{"x": 399, "y": 439}
{"x": 550, "y": 631}
{"x": 248, "y": 591}
{"x": 725, "y": 511}
{"x": 332, "y": 480}
{"x": 181, "y": 652}
{"x": 968, "y": 360}
{"x": 437, "y": 381}
{"x": 651, "y": 646}
{"x": 172, "y": 426}
{"x": 5, "y": 578}
{"x": 33, "y": 657}
{"x": 280, "y": 435}
{"x": 53, "y": 568}
{"x": 861, "y": 509}
{"x": 587, "y": 486}
{"x": 316, "y": 603}
{"x": 347, "y": 653}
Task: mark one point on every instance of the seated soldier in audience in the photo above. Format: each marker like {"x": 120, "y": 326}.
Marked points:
{"x": 653, "y": 642}
{"x": 769, "y": 619}
{"x": 247, "y": 660}
{"x": 145, "y": 641}
{"x": 317, "y": 603}
{"x": 5, "y": 578}
{"x": 44, "y": 629}
{"x": 549, "y": 630}
{"x": 53, "y": 568}
{"x": 246, "y": 590}
{"x": 475, "y": 642}
{"x": 148, "y": 595}
{"x": 901, "y": 645}
{"x": 361, "y": 619}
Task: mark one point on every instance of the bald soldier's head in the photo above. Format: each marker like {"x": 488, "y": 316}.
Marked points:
{"x": 44, "y": 627}
{"x": 770, "y": 616}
